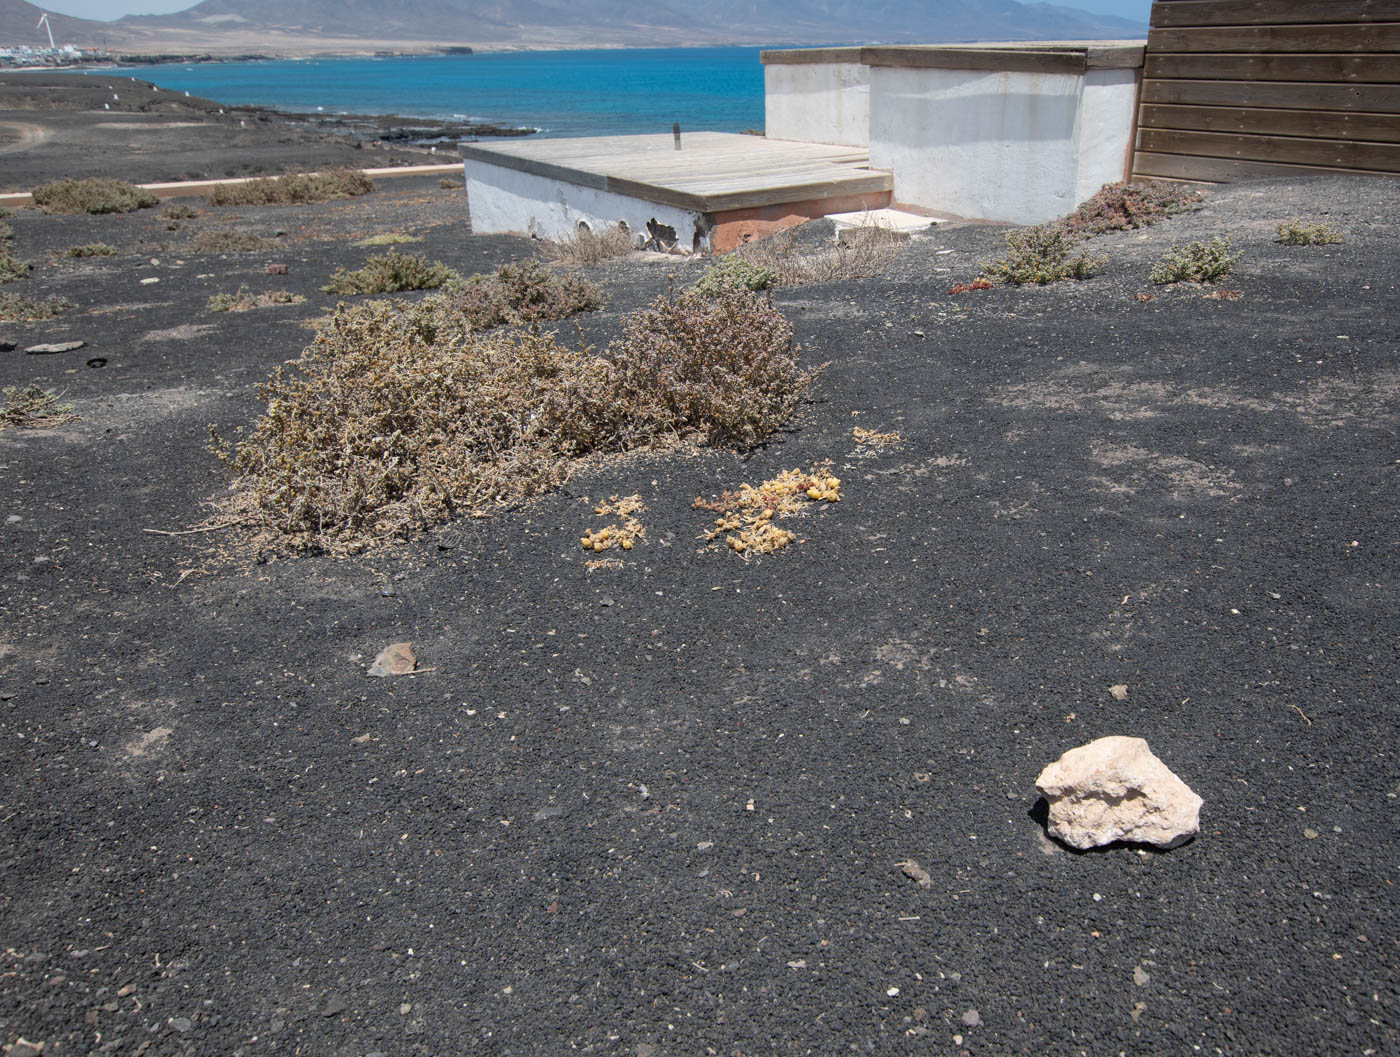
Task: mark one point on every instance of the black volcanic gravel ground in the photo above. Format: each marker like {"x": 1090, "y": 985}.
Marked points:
{"x": 659, "y": 810}
{"x": 99, "y": 124}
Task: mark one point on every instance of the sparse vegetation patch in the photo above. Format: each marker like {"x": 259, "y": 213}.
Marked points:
{"x": 625, "y": 533}
{"x": 230, "y": 240}
{"x": 179, "y": 211}
{"x": 860, "y": 252}
{"x": 15, "y": 308}
{"x": 746, "y": 516}
{"x": 733, "y": 270}
{"x": 517, "y": 294}
{"x": 1298, "y": 233}
{"x": 90, "y": 249}
{"x": 293, "y": 189}
{"x": 875, "y": 439}
{"x": 32, "y": 408}
{"x": 390, "y": 273}
{"x": 1040, "y": 255}
{"x": 1195, "y": 262}
{"x": 96, "y": 194}
{"x": 243, "y": 301}
{"x": 389, "y": 238}
{"x": 585, "y": 246}
{"x": 11, "y": 267}
{"x": 1126, "y": 206}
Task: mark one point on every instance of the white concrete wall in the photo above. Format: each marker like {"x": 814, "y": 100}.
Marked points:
{"x": 827, "y": 102}
{"x": 1020, "y": 147}
{"x": 505, "y": 200}
{"x": 1105, "y": 129}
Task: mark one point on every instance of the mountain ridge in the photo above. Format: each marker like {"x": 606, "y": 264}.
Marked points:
{"x": 235, "y": 25}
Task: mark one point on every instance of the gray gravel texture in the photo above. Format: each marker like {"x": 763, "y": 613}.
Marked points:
{"x": 663, "y": 809}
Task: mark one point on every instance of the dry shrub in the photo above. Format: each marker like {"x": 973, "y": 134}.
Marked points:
{"x": 32, "y": 408}
{"x": 398, "y": 416}
{"x": 516, "y": 294}
{"x": 1125, "y": 206}
{"x": 179, "y": 211}
{"x": 11, "y": 267}
{"x": 15, "y": 308}
{"x": 6, "y": 232}
{"x": 873, "y": 438}
{"x": 389, "y": 238}
{"x": 90, "y": 249}
{"x": 96, "y": 194}
{"x": 860, "y": 252}
{"x": 294, "y": 189}
{"x": 1041, "y": 255}
{"x": 243, "y": 301}
{"x": 230, "y": 240}
{"x": 1196, "y": 262}
{"x": 585, "y": 246}
{"x": 1297, "y": 233}
{"x": 734, "y": 270}
{"x": 388, "y": 273}
{"x": 380, "y": 428}
{"x": 721, "y": 368}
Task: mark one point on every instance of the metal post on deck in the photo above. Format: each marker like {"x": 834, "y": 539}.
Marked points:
{"x": 676, "y": 132}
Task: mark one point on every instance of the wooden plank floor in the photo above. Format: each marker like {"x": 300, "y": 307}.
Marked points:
{"x": 712, "y": 171}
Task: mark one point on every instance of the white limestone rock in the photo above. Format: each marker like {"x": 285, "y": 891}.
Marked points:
{"x": 1115, "y": 789}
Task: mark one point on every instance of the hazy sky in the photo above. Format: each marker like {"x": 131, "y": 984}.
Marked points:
{"x": 113, "y": 9}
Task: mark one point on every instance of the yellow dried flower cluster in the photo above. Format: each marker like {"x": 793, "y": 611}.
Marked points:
{"x": 747, "y": 515}
{"x": 876, "y": 439}
{"x": 624, "y": 535}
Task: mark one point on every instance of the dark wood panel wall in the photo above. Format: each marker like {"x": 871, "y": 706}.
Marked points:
{"x": 1235, "y": 88}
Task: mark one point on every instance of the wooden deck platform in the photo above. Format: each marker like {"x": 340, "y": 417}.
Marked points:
{"x": 713, "y": 172}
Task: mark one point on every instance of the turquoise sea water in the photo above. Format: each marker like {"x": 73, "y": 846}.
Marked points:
{"x": 562, "y": 93}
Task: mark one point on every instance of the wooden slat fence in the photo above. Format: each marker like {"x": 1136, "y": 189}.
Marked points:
{"x": 1235, "y": 88}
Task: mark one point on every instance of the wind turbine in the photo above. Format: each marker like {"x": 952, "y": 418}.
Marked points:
{"x": 44, "y": 23}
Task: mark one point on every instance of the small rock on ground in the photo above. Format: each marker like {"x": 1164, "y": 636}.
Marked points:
{"x": 398, "y": 658}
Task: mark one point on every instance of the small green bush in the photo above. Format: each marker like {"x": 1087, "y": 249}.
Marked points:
{"x": 1196, "y": 262}
{"x": 6, "y": 232}
{"x": 12, "y": 268}
{"x": 230, "y": 240}
{"x": 32, "y": 408}
{"x": 179, "y": 211}
{"x": 1041, "y": 255}
{"x": 293, "y": 189}
{"x": 16, "y": 308}
{"x": 1297, "y": 233}
{"x": 91, "y": 249}
{"x": 735, "y": 271}
{"x": 1126, "y": 206}
{"x": 390, "y": 273}
{"x": 515, "y": 295}
{"x": 96, "y": 194}
{"x": 449, "y": 184}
